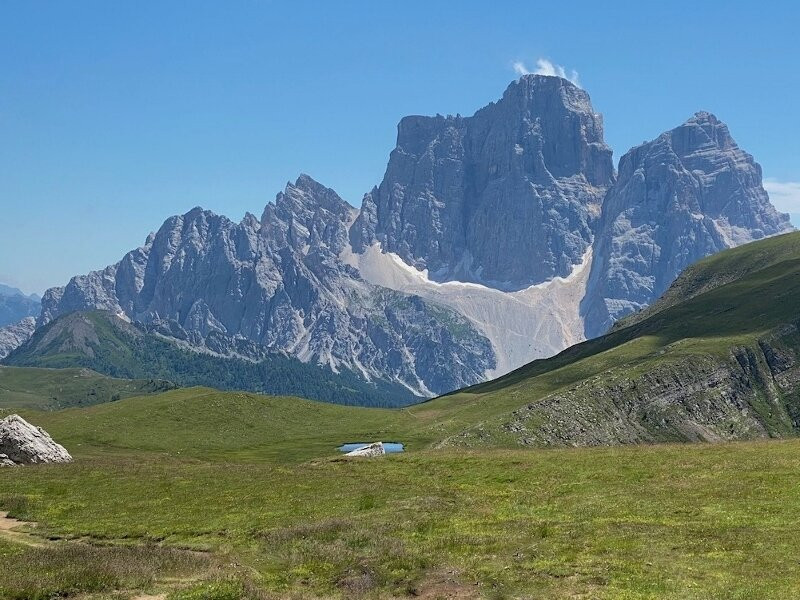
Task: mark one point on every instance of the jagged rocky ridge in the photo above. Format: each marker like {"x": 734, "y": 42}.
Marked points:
{"x": 278, "y": 282}
{"x": 491, "y": 241}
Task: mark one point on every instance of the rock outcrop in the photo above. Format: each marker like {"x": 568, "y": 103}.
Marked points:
{"x": 506, "y": 197}
{"x": 750, "y": 394}
{"x": 374, "y": 449}
{"x": 687, "y": 194}
{"x": 24, "y": 444}
{"x": 14, "y": 335}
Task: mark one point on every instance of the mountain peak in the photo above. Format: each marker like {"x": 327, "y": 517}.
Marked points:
{"x": 461, "y": 195}
{"x": 702, "y": 117}
{"x": 305, "y": 181}
{"x": 308, "y": 195}
{"x": 702, "y": 132}
{"x": 699, "y": 193}
{"x": 538, "y": 79}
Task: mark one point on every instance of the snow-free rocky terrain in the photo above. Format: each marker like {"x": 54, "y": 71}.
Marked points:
{"x": 492, "y": 240}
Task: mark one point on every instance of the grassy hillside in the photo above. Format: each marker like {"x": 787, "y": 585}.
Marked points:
{"x": 210, "y": 424}
{"x": 719, "y": 269}
{"x": 52, "y": 389}
{"x": 105, "y": 343}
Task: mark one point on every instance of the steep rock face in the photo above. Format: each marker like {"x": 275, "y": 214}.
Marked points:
{"x": 280, "y": 284}
{"x": 13, "y": 336}
{"x": 23, "y": 444}
{"x": 752, "y": 393}
{"x": 687, "y": 194}
{"x": 505, "y": 197}
{"x": 492, "y": 240}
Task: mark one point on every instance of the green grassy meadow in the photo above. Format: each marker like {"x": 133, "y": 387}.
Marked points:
{"x": 51, "y": 389}
{"x": 202, "y": 494}
{"x": 669, "y": 521}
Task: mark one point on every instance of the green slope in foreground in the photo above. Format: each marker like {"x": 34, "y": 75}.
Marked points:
{"x": 666, "y": 521}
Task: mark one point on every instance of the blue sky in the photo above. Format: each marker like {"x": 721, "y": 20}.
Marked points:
{"x": 114, "y": 116}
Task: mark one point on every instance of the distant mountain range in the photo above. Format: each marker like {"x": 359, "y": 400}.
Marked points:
{"x": 18, "y": 313}
{"x": 15, "y": 305}
{"x": 493, "y": 240}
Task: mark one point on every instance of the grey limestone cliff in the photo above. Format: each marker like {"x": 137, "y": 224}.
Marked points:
{"x": 14, "y": 335}
{"x": 506, "y": 197}
{"x": 278, "y": 282}
{"x": 687, "y": 194}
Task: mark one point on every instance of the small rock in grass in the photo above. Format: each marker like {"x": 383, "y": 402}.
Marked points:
{"x": 375, "y": 449}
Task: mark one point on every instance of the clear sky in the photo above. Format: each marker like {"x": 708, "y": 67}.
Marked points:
{"x": 115, "y": 115}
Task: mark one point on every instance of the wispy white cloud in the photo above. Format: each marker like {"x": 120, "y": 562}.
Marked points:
{"x": 546, "y": 67}
{"x": 785, "y": 195}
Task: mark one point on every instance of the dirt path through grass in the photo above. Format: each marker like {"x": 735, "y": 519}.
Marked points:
{"x": 8, "y": 530}
{"x": 14, "y": 530}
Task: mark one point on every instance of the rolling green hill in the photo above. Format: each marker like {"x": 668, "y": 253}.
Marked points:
{"x": 207, "y": 423}
{"x": 105, "y": 343}
{"x": 52, "y": 389}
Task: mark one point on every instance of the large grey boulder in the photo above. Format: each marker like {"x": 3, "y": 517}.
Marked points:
{"x": 22, "y": 444}
{"x": 687, "y": 194}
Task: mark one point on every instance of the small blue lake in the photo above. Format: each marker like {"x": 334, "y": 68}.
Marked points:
{"x": 390, "y": 447}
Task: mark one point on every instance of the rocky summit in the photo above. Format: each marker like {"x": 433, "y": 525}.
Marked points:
{"x": 492, "y": 240}
{"x": 506, "y": 197}
{"x": 687, "y": 194}
{"x": 22, "y": 444}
